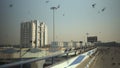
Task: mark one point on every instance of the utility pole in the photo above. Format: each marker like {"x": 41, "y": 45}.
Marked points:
{"x": 53, "y": 8}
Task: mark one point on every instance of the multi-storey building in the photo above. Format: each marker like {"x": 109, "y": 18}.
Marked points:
{"x": 65, "y": 44}
{"x": 31, "y": 34}
{"x": 43, "y": 35}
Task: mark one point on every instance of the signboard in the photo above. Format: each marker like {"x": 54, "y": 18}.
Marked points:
{"x": 92, "y": 39}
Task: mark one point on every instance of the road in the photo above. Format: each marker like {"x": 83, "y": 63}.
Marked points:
{"x": 108, "y": 57}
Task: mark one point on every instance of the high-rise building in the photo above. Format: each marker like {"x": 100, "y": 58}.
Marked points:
{"x": 31, "y": 34}
{"x": 43, "y": 35}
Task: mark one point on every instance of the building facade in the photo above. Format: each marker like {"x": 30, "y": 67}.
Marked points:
{"x": 65, "y": 44}
{"x": 31, "y": 34}
{"x": 43, "y": 35}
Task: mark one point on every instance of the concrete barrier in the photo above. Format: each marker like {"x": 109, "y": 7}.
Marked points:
{"x": 37, "y": 64}
{"x": 74, "y": 62}
{"x": 89, "y": 63}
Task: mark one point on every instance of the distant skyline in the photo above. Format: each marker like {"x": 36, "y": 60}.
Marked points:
{"x": 73, "y": 19}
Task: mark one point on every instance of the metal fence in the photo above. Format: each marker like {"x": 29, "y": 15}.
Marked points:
{"x": 32, "y": 60}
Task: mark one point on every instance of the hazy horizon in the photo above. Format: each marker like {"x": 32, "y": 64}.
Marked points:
{"x": 73, "y": 19}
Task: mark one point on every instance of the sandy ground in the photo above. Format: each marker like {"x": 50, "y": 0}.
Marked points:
{"x": 108, "y": 57}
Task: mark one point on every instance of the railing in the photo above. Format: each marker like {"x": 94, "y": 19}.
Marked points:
{"x": 35, "y": 59}
{"x": 31, "y": 60}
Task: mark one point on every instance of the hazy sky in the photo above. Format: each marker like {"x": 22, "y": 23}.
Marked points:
{"x": 73, "y": 19}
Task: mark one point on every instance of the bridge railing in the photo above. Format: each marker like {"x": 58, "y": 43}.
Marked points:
{"x": 32, "y": 60}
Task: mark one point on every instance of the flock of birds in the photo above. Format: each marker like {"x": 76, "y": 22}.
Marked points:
{"x": 93, "y": 6}
{"x": 102, "y": 10}
{"x": 57, "y": 6}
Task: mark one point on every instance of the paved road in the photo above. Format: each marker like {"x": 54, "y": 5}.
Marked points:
{"x": 108, "y": 57}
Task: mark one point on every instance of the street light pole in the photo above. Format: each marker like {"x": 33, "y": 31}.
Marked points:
{"x": 53, "y": 8}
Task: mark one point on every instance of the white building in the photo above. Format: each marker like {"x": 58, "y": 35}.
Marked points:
{"x": 64, "y": 44}
{"x": 31, "y": 34}
{"x": 43, "y": 35}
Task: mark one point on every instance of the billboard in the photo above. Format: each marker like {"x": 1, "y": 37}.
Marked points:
{"x": 92, "y": 39}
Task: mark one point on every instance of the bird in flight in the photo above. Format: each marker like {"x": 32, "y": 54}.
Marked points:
{"x": 103, "y": 9}
{"x": 10, "y": 5}
{"x": 58, "y": 6}
{"x": 63, "y": 14}
{"x": 47, "y": 1}
{"x": 93, "y": 5}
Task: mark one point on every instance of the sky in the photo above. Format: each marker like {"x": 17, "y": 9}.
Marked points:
{"x": 73, "y": 19}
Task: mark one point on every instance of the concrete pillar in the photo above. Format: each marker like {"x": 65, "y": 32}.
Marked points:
{"x": 38, "y": 64}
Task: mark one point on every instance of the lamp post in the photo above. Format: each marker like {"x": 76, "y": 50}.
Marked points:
{"x": 53, "y": 8}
